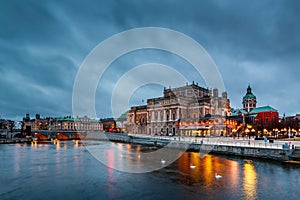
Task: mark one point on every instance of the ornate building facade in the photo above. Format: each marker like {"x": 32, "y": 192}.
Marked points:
{"x": 137, "y": 120}
{"x": 185, "y": 110}
{"x": 264, "y": 117}
{"x": 75, "y": 124}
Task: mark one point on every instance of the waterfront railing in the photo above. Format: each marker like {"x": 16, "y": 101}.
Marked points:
{"x": 224, "y": 141}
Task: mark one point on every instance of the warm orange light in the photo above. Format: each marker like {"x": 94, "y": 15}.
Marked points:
{"x": 250, "y": 181}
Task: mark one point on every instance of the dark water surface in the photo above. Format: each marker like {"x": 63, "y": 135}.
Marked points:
{"x": 66, "y": 170}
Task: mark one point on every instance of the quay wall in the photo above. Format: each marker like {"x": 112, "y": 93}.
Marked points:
{"x": 255, "y": 152}
{"x": 279, "y": 154}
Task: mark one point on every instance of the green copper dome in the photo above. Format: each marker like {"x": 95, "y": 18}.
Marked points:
{"x": 249, "y": 94}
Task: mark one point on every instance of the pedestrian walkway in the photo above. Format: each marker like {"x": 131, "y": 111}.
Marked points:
{"x": 226, "y": 141}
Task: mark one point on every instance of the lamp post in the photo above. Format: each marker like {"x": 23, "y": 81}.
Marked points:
{"x": 247, "y": 133}
{"x": 284, "y": 131}
{"x": 253, "y": 131}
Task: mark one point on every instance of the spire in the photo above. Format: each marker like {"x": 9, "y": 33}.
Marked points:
{"x": 249, "y": 89}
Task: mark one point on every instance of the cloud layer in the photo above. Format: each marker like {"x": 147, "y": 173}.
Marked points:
{"x": 43, "y": 43}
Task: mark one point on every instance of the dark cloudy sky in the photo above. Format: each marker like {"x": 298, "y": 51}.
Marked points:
{"x": 43, "y": 43}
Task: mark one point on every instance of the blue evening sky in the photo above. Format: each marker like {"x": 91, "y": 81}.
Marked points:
{"x": 43, "y": 43}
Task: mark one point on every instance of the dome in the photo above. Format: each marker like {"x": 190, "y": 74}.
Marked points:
{"x": 249, "y": 94}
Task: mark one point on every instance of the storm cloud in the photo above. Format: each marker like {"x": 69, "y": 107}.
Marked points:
{"x": 43, "y": 43}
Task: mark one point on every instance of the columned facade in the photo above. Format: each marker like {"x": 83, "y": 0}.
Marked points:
{"x": 179, "y": 109}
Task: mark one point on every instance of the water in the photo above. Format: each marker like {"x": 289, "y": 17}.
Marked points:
{"x": 66, "y": 170}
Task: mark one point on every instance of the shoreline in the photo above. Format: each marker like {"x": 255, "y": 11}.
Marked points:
{"x": 221, "y": 146}
{"x": 276, "y": 150}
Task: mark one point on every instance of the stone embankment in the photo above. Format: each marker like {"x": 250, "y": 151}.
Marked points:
{"x": 280, "y": 151}
{"x": 277, "y": 150}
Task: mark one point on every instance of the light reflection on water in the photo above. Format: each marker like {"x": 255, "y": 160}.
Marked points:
{"x": 47, "y": 170}
{"x": 250, "y": 181}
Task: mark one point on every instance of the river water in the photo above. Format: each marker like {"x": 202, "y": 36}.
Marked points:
{"x": 67, "y": 170}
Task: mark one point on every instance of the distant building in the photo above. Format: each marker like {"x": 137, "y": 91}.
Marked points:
{"x": 67, "y": 123}
{"x": 36, "y": 123}
{"x": 137, "y": 120}
{"x": 6, "y": 125}
{"x": 75, "y": 124}
{"x": 264, "y": 117}
{"x": 292, "y": 123}
{"x": 3, "y": 125}
{"x": 121, "y": 122}
{"x": 187, "y": 110}
{"x": 108, "y": 125}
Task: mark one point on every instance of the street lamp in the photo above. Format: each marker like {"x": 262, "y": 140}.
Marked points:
{"x": 247, "y": 131}
{"x": 253, "y": 131}
{"x": 265, "y": 131}
{"x": 276, "y": 132}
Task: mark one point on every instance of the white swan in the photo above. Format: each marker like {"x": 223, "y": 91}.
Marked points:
{"x": 192, "y": 166}
{"x": 163, "y": 161}
{"x": 217, "y": 176}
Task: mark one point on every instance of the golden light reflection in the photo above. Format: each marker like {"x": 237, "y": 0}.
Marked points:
{"x": 57, "y": 145}
{"x": 182, "y": 163}
{"x": 208, "y": 168}
{"x": 138, "y": 149}
{"x": 195, "y": 161}
{"x": 250, "y": 181}
{"x": 203, "y": 169}
{"x": 76, "y": 142}
{"x": 233, "y": 172}
{"x": 34, "y": 144}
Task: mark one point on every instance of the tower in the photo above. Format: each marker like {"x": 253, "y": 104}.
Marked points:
{"x": 249, "y": 100}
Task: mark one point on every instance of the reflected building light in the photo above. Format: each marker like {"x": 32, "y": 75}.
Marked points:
{"x": 197, "y": 170}
{"x": 110, "y": 170}
{"x": 234, "y": 170}
{"x": 208, "y": 170}
{"x": 57, "y": 145}
{"x": 250, "y": 181}
{"x": 110, "y": 161}
{"x": 76, "y": 144}
{"x": 138, "y": 149}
